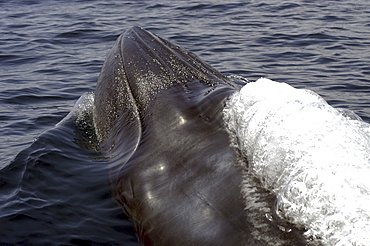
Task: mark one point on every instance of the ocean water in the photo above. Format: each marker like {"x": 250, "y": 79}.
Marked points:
{"x": 54, "y": 189}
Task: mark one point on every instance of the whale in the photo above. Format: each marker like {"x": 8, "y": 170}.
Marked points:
{"x": 158, "y": 117}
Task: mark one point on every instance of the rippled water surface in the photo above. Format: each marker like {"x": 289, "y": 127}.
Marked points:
{"x": 51, "y": 53}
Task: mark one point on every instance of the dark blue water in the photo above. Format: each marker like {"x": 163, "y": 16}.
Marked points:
{"x": 53, "y": 189}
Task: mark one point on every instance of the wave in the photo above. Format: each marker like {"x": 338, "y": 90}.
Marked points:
{"x": 56, "y": 193}
{"x": 313, "y": 157}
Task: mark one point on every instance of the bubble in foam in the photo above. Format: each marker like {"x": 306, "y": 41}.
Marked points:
{"x": 314, "y": 157}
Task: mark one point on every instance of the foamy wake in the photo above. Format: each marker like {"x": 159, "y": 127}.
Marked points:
{"x": 314, "y": 157}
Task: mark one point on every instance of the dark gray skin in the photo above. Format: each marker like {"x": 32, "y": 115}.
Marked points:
{"x": 158, "y": 115}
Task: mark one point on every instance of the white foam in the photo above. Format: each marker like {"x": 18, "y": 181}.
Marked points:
{"x": 314, "y": 157}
